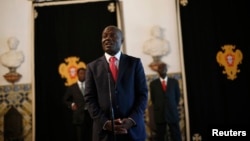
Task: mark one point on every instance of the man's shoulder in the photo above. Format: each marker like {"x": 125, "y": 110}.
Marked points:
{"x": 73, "y": 85}
{"x": 154, "y": 80}
{"x": 131, "y": 58}
{"x": 93, "y": 62}
{"x": 172, "y": 80}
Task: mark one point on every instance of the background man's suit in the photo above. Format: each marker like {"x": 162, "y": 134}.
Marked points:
{"x": 80, "y": 118}
{"x": 165, "y": 104}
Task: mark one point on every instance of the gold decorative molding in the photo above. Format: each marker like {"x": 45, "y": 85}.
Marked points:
{"x": 197, "y": 137}
{"x": 111, "y": 7}
{"x": 184, "y": 2}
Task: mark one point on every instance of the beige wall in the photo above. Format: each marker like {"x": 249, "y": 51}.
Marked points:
{"x": 16, "y": 20}
{"x": 139, "y": 16}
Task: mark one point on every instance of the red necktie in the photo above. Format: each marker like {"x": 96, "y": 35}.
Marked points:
{"x": 164, "y": 86}
{"x": 113, "y": 67}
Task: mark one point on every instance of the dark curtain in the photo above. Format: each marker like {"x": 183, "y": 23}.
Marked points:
{"x": 62, "y": 31}
{"x": 215, "y": 101}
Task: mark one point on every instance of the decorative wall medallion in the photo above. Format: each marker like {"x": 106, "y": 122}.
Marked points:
{"x": 184, "y": 2}
{"x": 196, "y": 137}
{"x": 230, "y": 58}
{"x": 111, "y": 7}
{"x": 68, "y": 70}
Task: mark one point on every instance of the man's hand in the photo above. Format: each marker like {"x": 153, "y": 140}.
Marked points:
{"x": 127, "y": 123}
{"x": 118, "y": 127}
{"x": 74, "y": 106}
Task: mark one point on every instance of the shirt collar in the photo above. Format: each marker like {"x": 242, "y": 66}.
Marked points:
{"x": 117, "y": 56}
{"x": 79, "y": 82}
{"x": 166, "y": 78}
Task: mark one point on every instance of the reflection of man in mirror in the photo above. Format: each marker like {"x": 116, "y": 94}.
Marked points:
{"x": 12, "y": 58}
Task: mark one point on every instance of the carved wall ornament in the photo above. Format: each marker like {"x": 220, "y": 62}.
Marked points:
{"x": 184, "y": 2}
{"x": 197, "y": 137}
{"x": 111, "y": 7}
{"x": 230, "y": 58}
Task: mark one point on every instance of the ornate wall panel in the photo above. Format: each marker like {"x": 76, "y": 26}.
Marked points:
{"x": 17, "y": 98}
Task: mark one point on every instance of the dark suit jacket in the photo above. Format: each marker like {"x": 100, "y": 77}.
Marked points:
{"x": 129, "y": 95}
{"x": 74, "y": 94}
{"x": 165, "y": 104}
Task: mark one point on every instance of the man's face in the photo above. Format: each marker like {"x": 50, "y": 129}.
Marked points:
{"x": 111, "y": 40}
{"x": 162, "y": 69}
{"x": 81, "y": 75}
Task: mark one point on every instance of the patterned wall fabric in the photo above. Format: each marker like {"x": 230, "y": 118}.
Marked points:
{"x": 20, "y": 98}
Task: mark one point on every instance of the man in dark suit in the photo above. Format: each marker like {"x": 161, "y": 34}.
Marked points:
{"x": 127, "y": 92}
{"x": 165, "y": 99}
{"x": 74, "y": 100}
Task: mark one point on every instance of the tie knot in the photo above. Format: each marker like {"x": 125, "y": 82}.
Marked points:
{"x": 112, "y": 59}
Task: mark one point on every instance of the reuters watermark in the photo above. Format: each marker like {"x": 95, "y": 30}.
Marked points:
{"x": 228, "y": 133}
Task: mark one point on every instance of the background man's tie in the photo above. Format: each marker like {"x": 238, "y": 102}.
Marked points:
{"x": 164, "y": 85}
{"x": 82, "y": 88}
{"x": 113, "y": 68}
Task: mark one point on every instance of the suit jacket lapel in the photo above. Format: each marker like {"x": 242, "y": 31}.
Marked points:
{"x": 122, "y": 66}
{"x": 105, "y": 63}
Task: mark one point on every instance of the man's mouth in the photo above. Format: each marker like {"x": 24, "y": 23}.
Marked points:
{"x": 108, "y": 44}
